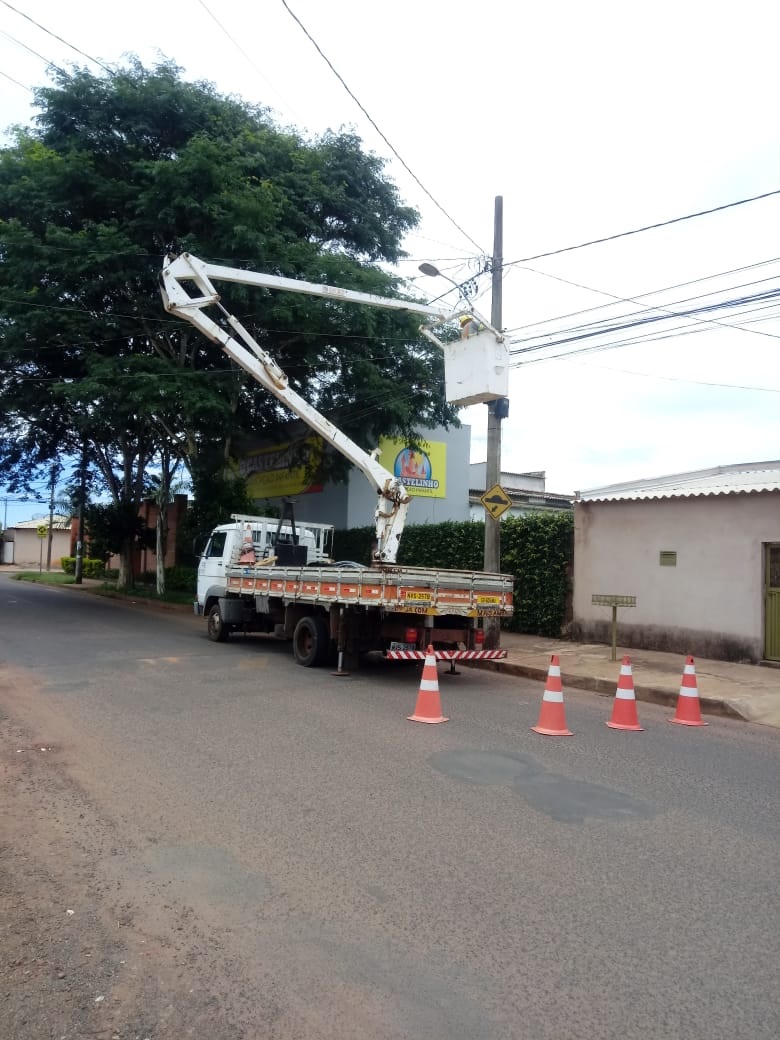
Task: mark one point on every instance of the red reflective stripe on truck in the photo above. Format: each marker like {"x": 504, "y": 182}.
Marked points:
{"x": 446, "y": 655}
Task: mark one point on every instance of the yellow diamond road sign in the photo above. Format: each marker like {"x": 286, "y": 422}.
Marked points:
{"x": 496, "y": 501}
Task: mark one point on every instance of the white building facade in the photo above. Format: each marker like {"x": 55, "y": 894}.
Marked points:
{"x": 700, "y": 552}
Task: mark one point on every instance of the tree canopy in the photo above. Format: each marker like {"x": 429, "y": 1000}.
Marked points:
{"x": 124, "y": 167}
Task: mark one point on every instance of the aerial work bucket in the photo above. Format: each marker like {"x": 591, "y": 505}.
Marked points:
{"x": 476, "y": 369}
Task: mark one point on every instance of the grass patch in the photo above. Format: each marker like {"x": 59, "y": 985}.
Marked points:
{"x": 45, "y": 577}
{"x": 108, "y": 588}
{"x": 145, "y": 592}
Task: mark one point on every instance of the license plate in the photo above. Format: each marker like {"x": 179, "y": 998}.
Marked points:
{"x": 402, "y": 646}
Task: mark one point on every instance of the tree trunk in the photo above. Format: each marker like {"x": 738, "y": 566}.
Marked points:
{"x": 161, "y": 543}
{"x": 126, "y": 577}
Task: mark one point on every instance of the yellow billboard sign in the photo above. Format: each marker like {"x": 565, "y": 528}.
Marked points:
{"x": 423, "y": 470}
{"x": 285, "y": 469}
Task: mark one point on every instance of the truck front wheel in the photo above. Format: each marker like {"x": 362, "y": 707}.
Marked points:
{"x": 217, "y": 629}
{"x": 311, "y": 642}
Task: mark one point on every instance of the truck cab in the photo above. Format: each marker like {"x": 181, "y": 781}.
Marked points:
{"x": 271, "y": 539}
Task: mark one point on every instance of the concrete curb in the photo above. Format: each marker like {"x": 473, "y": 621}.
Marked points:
{"x": 605, "y": 688}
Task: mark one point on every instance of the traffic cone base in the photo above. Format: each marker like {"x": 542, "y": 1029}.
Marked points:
{"x": 428, "y": 708}
{"x": 552, "y": 717}
{"x": 688, "y": 711}
{"x": 624, "y": 715}
{"x": 552, "y": 732}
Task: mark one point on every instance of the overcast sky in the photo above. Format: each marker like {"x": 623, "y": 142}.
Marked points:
{"x": 589, "y": 119}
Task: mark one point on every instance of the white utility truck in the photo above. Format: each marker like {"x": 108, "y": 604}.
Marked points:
{"x": 255, "y": 539}
{"x": 322, "y": 606}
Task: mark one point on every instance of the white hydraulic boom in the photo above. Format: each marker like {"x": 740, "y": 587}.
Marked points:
{"x": 186, "y": 269}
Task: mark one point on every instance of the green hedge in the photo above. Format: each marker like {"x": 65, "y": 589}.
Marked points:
{"x": 177, "y": 579}
{"x": 537, "y": 549}
{"x": 89, "y": 568}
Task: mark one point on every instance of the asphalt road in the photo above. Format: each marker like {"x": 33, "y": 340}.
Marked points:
{"x": 301, "y": 861}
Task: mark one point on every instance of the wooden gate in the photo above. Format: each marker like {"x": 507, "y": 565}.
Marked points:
{"x": 772, "y": 603}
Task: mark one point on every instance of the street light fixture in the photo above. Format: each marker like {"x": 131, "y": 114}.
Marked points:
{"x": 465, "y": 289}
{"x": 431, "y": 271}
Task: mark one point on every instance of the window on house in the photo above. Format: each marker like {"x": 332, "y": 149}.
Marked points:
{"x": 773, "y": 566}
{"x": 668, "y": 558}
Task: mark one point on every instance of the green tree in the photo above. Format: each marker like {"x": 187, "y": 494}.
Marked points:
{"x": 123, "y": 167}
{"x": 116, "y": 527}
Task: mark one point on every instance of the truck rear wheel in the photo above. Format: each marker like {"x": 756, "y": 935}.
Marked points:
{"x": 217, "y": 629}
{"x": 311, "y": 642}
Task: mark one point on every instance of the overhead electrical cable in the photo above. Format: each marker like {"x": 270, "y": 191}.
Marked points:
{"x": 607, "y": 323}
{"x": 694, "y": 325}
{"x": 648, "y": 335}
{"x": 371, "y": 121}
{"x": 665, "y": 311}
{"x": 643, "y": 296}
{"x": 56, "y": 37}
{"x": 248, "y": 57}
{"x": 25, "y": 47}
{"x": 680, "y": 379}
{"x": 537, "y": 354}
{"x": 647, "y": 227}
{"x": 16, "y": 81}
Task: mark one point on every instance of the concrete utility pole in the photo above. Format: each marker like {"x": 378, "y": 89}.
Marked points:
{"x": 497, "y": 410}
{"x": 51, "y": 515}
{"x": 79, "y": 566}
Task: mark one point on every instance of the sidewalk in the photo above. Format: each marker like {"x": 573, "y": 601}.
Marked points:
{"x": 744, "y": 691}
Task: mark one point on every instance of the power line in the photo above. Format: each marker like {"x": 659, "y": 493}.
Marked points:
{"x": 647, "y": 227}
{"x": 19, "y": 43}
{"x": 371, "y": 121}
{"x": 694, "y": 326}
{"x": 665, "y": 313}
{"x": 679, "y": 379}
{"x": 649, "y": 337}
{"x": 16, "y": 81}
{"x": 248, "y": 57}
{"x": 56, "y": 37}
{"x": 642, "y": 296}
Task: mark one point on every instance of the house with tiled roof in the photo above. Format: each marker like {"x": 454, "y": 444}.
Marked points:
{"x": 26, "y": 543}
{"x": 699, "y": 552}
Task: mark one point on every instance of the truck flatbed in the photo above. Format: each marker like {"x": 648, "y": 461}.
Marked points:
{"x": 406, "y": 590}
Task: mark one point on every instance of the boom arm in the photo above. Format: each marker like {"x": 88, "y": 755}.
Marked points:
{"x": 394, "y": 500}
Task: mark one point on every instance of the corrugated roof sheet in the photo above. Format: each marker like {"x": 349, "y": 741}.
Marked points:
{"x": 59, "y": 522}
{"x": 740, "y": 478}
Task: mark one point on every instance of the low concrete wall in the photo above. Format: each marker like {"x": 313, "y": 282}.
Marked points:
{"x": 718, "y": 646}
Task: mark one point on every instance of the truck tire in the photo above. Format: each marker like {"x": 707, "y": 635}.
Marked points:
{"x": 217, "y": 629}
{"x": 311, "y": 642}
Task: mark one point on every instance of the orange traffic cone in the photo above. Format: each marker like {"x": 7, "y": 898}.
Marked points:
{"x": 624, "y": 714}
{"x": 552, "y": 719}
{"x": 428, "y": 707}
{"x": 688, "y": 708}
{"x": 247, "y": 547}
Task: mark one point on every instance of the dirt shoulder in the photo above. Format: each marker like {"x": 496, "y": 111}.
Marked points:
{"x": 81, "y": 956}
